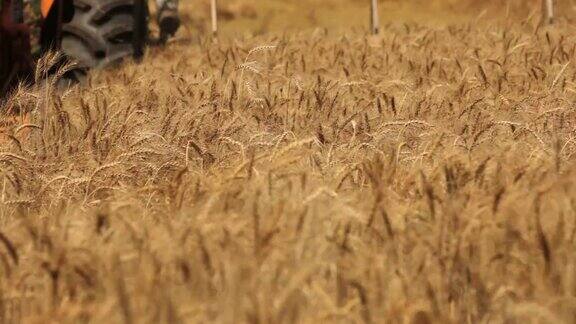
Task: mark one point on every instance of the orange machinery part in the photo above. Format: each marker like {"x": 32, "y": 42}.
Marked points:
{"x": 45, "y": 6}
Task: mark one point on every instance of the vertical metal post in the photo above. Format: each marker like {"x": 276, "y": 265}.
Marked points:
{"x": 59, "y": 25}
{"x": 548, "y": 11}
{"x": 214, "y": 14}
{"x": 374, "y": 17}
{"x": 140, "y": 28}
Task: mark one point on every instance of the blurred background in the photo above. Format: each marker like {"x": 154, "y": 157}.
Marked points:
{"x": 257, "y": 16}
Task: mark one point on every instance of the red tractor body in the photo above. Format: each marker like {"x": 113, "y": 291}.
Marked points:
{"x": 16, "y": 62}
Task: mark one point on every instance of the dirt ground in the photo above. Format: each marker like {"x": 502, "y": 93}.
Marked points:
{"x": 250, "y": 16}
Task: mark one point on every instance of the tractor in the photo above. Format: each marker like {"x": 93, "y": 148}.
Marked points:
{"x": 92, "y": 33}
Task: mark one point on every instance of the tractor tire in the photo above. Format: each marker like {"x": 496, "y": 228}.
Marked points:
{"x": 101, "y": 33}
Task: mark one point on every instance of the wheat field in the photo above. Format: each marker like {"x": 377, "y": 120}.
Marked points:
{"x": 423, "y": 176}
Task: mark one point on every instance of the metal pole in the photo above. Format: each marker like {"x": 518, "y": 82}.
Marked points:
{"x": 214, "y": 14}
{"x": 59, "y": 23}
{"x": 374, "y": 17}
{"x": 139, "y": 29}
{"x": 548, "y": 11}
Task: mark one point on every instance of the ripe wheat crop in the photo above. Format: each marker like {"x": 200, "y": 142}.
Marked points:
{"x": 423, "y": 176}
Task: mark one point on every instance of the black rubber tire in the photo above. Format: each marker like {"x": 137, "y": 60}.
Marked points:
{"x": 101, "y": 32}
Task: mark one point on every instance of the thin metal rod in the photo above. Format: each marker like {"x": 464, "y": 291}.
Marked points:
{"x": 214, "y": 14}
{"x": 374, "y": 17}
{"x": 59, "y": 23}
{"x": 548, "y": 11}
{"x": 139, "y": 29}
